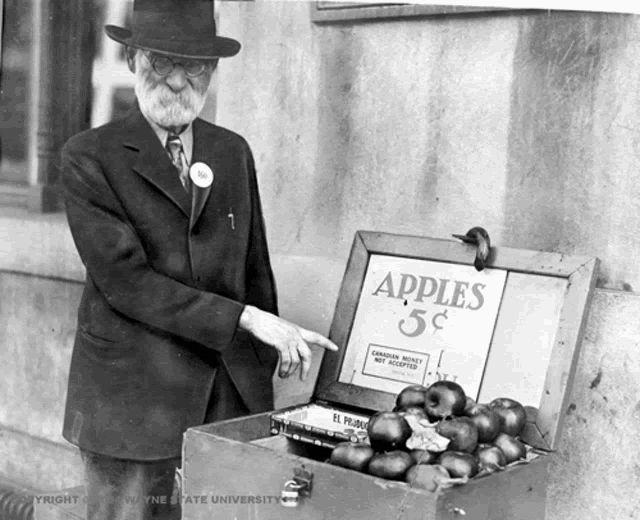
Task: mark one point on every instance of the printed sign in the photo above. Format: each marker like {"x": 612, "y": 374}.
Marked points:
{"x": 396, "y": 364}
{"x": 419, "y": 321}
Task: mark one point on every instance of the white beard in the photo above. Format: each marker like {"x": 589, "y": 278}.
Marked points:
{"x": 165, "y": 107}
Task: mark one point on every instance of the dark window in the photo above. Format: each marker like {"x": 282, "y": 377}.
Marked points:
{"x": 17, "y": 57}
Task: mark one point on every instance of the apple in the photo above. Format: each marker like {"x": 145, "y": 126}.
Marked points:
{"x": 491, "y": 458}
{"x": 481, "y": 446}
{"x": 513, "y": 449}
{"x": 426, "y": 477}
{"x": 412, "y": 395}
{"x": 392, "y": 465}
{"x": 388, "y": 431}
{"x": 423, "y": 456}
{"x": 459, "y": 464}
{"x": 514, "y": 416}
{"x": 444, "y": 399}
{"x": 417, "y": 411}
{"x": 487, "y": 420}
{"x": 470, "y": 402}
{"x": 461, "y": 432}
{"x": 352, "y": 455}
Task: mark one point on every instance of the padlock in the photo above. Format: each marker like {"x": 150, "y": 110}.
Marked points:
{"x": 290, "y": 496}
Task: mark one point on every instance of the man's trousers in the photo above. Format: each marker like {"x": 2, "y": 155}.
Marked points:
{"x": 119, "y": 489}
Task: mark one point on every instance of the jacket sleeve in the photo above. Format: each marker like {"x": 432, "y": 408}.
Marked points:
{"x": 261, "y": 290}
{"x": 117, "y": 262}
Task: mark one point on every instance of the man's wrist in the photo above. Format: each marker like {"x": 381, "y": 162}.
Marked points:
{"x": 246, "y": 318}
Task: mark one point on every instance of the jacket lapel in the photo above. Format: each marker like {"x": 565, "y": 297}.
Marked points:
{"x": 202, "y": 152}
{"x": 153, "y": 163}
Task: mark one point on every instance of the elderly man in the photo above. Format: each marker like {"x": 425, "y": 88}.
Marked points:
{"x": 177, "y": 324}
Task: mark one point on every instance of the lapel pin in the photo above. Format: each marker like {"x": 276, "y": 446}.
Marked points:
{"x": 201, "y": 175}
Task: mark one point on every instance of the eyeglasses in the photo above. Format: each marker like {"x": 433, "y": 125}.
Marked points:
{"x": 163, "y": 65}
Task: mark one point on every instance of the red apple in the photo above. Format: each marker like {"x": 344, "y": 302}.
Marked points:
{"x": 352, "y": 455}
{"x": 426, "y": 477}
{"x": 392, "y": 465}
{"x": 513, "y": 449}
{"x": 491, "y": 458}
{"x": 388, "y": 431}
{"x": 514, "y": 416}
{"x": 423, "y": 456}
{"x": 487, "y": 420}
{"x": 459, "y": 464}
{"x": 462, "y": 433}
{"x": 444, "y": 399}
{"x": 413, "y": 395}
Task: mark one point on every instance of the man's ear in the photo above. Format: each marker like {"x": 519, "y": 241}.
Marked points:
{"x": 130, "y": 53}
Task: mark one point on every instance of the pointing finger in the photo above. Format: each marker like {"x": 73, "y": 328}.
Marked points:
{"x": 318, "y": 339}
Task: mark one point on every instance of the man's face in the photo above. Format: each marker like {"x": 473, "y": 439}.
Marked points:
{"x": 173, "y": 100}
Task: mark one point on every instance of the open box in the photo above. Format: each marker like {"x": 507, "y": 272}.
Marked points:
{"x": 410, "y": 310}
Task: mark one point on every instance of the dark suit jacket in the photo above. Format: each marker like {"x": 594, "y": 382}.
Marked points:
{"x": 167, "y": 279}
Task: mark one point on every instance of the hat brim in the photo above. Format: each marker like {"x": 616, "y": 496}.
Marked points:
{"x": 217, "y": 47}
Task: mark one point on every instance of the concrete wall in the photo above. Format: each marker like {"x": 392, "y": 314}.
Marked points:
{"x": 522, "y": 123}
{"x": 40, "y": 284}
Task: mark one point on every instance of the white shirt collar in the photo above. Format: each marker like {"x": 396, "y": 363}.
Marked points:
{"x": 186, "y": 137}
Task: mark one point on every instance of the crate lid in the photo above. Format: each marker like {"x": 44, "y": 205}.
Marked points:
{"x": 412, "y": 310}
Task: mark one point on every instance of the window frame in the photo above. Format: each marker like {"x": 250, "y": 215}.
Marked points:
{"x": 56, "y": 27}
{"x": 329, "y": 11}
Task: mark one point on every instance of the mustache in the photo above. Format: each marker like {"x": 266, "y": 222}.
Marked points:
{"x": 165, "y": 96}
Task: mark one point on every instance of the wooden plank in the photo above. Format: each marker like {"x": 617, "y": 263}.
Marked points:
{"x": 517, "y": 260}
{"x": 564, "y": 357}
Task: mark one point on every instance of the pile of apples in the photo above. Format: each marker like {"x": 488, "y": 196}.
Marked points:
{"x": 482, "y": 438}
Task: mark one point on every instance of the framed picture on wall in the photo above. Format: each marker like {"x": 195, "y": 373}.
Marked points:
{"x": 327, "y": 11}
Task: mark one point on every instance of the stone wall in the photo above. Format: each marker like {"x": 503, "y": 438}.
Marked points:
{"x": 522, "y": 123}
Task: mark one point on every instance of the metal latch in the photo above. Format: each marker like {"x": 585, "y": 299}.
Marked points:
{"x": 304, "y": 478}
{"x": 300, "y": 485}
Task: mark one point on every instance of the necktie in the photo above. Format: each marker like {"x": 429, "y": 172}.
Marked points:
{"x": 176, "y": 153}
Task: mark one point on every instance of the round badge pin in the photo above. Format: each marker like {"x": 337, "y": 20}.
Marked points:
{"x": 201, "y": 175}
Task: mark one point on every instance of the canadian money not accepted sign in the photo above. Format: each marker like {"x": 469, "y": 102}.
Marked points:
{"x": 419, "y": 321}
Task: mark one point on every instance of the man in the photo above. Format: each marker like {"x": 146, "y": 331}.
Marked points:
{"x": 177, "y": 324}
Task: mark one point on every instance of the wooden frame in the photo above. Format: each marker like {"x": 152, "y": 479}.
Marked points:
{"x": 577, "y": 272}
{"x": 328, "y": 11}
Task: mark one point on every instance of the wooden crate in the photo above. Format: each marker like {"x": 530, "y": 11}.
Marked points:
{"x": 237, "y": 469}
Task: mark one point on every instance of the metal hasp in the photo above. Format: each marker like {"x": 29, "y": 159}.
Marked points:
{"x": 304, "y": 478}
{"x": 300, "y": 485}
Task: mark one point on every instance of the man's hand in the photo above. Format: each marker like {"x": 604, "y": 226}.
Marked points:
{"x": 291, "y": 342}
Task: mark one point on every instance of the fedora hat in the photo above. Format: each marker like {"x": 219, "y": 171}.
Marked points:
{"x": 182, "y": 28}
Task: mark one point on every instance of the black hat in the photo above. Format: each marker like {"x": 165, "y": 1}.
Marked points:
{"x": 183, "y": 28}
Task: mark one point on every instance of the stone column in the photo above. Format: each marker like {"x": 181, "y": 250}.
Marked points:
{"x": 61, "y": 90}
